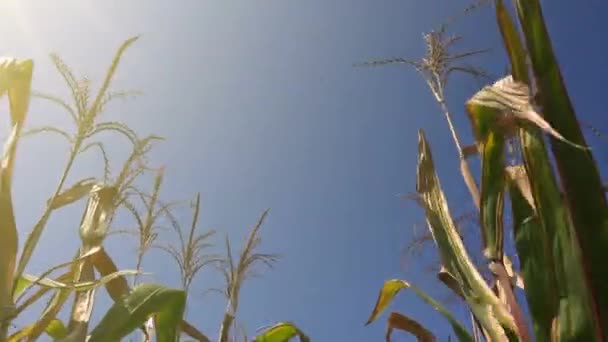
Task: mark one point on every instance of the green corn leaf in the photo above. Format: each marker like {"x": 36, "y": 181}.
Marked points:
{"x": 144, "y": 300}
{"x": 574, "y": 312}
{"x": 118, "y": 288}
{"x": 492, "y": 195}
{"x": 532, "y": 241}
{"x": 536, "y": 264}
{"x": 578, "y": 171}
{"x": 282, "y": 332}
{"x": 392, "y": 287}
{"x": 515, "y": 49}
{"x": 486, "y": 306}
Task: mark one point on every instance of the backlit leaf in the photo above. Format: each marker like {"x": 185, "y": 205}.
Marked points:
{"x": 392, "y": 287}
{"x": 133, "y": 311}
{"x": 281, "y": 332}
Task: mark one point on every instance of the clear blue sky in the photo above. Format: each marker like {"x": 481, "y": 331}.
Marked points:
{"x": 262, "y": 108}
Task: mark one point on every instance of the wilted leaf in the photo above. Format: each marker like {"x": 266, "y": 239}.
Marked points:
{"x": 78, "y": 286}
{"x": 118, "y": 287}
{"x": 26, "y": 281}
{"x": 390, "y": 290}
{"x": 502, "y": 105}
{"x": 52, "y": 308}
{"x": 402, "y": 322}
{"x": 446, "y": 278}
{"x": 488, "y": 309}
{"x": 73, "y": 194}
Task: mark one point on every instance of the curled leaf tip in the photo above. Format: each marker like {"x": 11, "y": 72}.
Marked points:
{"x": 508, "y": 101}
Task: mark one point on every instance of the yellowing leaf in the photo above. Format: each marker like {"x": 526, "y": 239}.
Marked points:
{"x": 73, "y": 194}
{"x": 393, "y": 286}
{"x": 281, "y": 332}
{"x": 387, "y": 293}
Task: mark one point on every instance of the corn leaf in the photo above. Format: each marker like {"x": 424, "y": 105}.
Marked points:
{"x": 8, "y": 232}
{"x": 38, "y": 294}
{"x": 505, "y": 104}
{"x": 578, "y": 171}
{"x": 402, "y": 322}
{"x": 535, "y": 256}
{"x": 492, "y": 314}
{"x": 282, "y": 332}
{"x": 78, "y": 286}
{"x": 574, "y": 311}
{"x": 26, "y": 281}
{"x": 145, "y": 300}
{"x": 53, "y": 306}
{"x": 492, "y": 195}
{"x": 393, "y": 286}
{"x": 93, "y": 230}
{"x": 531, "y": 239}
{"x": 117, "y": 287}
{"x": 15, "y": 78}
{"x": 73, "y": 193}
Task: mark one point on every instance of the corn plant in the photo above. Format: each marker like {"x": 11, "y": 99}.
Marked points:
{"x": 91, "y": 267}
{"x": 559, "y": 214}
{"x": 237, "y": 271}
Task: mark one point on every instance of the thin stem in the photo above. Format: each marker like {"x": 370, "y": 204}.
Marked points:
{"x": 448, "y": 117}
{"x": 464, "y": 164}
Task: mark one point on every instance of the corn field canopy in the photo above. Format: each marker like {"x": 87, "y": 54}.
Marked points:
{"x": 303, "y": 171}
